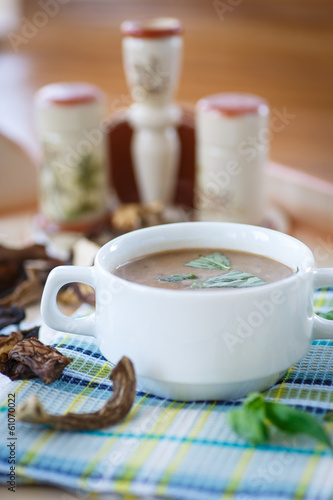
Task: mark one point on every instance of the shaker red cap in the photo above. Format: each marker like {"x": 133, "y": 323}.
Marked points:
{"x": 153, "y": 27}
{"x": 69, "y": 94}
{"x": 234, "y": 104}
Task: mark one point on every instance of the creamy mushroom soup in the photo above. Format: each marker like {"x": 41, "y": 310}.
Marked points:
{"x": 202, "y": 268}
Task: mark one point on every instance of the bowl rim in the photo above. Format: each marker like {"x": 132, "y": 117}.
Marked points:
{"x": 269, "y": 287}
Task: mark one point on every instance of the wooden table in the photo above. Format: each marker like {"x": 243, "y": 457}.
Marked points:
{"x": 280, "y": 49}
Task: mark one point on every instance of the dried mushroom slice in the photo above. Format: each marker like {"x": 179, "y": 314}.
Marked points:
{"x": 11, "y": 316}
{"x": 31, "y": 288}
{"x": 114, "y": 410}
{"x": 7, "y": 342}
{"x": 3, "y": 363}
{"x": 19, "y": 255}
{"x": 11, "y": 266}
{"x": 45, "y": 361}
{"x": 84, "y": 293}
{"x": 67, "y": 296}
{"x": 23, "y": 273}
{"x": 32, "y": 332}
{"x": 9, "y": 273}
{"x": 131, "y": 216}
{"x": 14, "y": 369}
{"x": 126, "y": 217}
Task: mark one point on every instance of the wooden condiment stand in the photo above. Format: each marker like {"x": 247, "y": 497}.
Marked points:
{"x": 122, "y": 172}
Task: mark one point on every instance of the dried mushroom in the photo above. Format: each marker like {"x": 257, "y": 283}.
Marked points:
{"x": 14, "y": 369}
{"x": 31, "y": 288}
{"x": 32, "y": 332}
{"x": 11, "y": 265}
{"x": 68, "y": 296}
{"x": 19, "y": 255}
{"x": 84, "y": 293}
{"x": 84, "y": 252}
{"x": 114, "y": 410}
{"x": 76, "y": 294}
{"x": 23, "y": 273}
{"x": 3, "y": 363}
{"x": 26, "y": 292}
{"x": 11, "y": 316}
{"x": 44, "y": 361}
{"x": 126, "y": 217}
{"x": 7, "y": 342}
{"x": 134, "y": 216}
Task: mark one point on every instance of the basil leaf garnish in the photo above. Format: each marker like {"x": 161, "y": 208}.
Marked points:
{"x": 233, "y": 279}
{"x": 178, "y": 277}
{"x": 252, "y": 420}
{"x": 295, "y": 421}
{"x": 248, "y": 421}
{"x": 255, "y": 401}
{"x": 215, "y": 260}
{"x": 249, "y": 425}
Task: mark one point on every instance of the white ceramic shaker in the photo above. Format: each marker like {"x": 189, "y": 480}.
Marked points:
{"x": 74, "y": 172}
{"x": 232, "y": 143}
{"x": 152, "y": 53}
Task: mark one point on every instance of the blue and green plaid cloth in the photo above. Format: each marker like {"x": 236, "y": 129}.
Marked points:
{"x": 167, "y": 448}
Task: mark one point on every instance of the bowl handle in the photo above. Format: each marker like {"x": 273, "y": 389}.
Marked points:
{"x": 322, "y": 328}
{"x": 52, "y": 316}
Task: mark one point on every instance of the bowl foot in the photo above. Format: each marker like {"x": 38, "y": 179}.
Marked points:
{"x": 203, "y": 392}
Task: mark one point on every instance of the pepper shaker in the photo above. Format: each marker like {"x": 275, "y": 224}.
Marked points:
{"x": 74, "y": 172}
{"x": 152, "y": 50}
{"x": 232, "y": 137}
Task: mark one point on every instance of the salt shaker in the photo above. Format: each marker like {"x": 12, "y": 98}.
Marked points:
{"x": 74, "y": 172}
{"x": 152, "y": 51}
{"x": 232, "y": 137}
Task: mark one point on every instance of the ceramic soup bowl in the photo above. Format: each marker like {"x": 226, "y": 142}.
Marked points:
{"x": 202, "y": 344}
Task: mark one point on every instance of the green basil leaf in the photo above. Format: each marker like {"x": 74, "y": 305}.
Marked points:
{"x": 215, "y": 260}
{"x": 249, "y": 424}
{"x": 233, "y": 279}
{"x": 296, "y": 421}
{"x": 328, "y": 315}
{"x": 255, "y": 401}
{"x": 178, "y": 277}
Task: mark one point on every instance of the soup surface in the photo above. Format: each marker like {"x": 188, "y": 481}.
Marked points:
{"x": 202, "y": 268}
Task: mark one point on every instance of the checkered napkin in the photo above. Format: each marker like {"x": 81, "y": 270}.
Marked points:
{"x": 167, "y": 448}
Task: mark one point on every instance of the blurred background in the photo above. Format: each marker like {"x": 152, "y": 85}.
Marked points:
{"x": 279, "y": 49}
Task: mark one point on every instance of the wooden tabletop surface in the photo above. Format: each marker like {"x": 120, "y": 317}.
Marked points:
{"x": 280, "y": 49}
